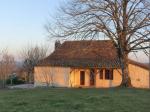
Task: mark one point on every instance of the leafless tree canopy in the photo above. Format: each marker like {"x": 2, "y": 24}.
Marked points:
{"x": 7, "y": 66}
{"x": 31, "y": 56}
{"x": 86, "y": 19}
{"x": 125, "y": 22}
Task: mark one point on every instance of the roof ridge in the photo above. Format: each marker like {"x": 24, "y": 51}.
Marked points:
{"x": 138, "y": 64}
{"x": 85, "y": 40}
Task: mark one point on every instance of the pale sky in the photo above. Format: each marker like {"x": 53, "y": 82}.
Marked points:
{"x": 22, "y": 23}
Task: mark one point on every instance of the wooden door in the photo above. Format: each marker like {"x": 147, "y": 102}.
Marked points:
{"x": 82, "y": 77}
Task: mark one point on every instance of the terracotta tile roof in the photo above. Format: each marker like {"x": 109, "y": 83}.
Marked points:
{"x": 98, "y": 53}
{"x": 142, "y": 65}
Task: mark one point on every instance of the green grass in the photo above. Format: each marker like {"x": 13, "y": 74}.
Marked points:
{"x": 75, "y": 100}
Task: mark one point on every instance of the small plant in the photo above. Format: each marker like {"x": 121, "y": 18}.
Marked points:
{"x": 14, "y": 80}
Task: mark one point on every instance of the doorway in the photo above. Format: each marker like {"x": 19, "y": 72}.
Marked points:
{"x": 82, "y": 77}
{"x": 92, "y": 77}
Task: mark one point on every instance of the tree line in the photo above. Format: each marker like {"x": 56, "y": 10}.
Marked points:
{"x": 30, "y": 57}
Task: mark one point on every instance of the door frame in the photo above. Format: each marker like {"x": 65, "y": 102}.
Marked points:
{"x": 92, "y": 77}
{"x": 82, "y": 78}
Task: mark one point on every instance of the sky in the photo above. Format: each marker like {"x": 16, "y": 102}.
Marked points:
{"x": 22, "y": 23}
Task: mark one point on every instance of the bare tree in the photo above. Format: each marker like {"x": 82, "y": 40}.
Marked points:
{"x": 47, "y": 75}
{"x": 125, "y": 22}
{"x": 31, "y": 56}
{"x": 7, "y": 66}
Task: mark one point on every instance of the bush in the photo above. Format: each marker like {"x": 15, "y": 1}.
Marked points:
{"x": 1, "y": 84}
{"x": 15, "y": 80}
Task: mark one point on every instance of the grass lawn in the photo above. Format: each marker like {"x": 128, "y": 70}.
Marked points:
{"x": 75, "y": 100}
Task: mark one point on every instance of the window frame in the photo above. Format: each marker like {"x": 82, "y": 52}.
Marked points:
{"x": 109, "y": 74}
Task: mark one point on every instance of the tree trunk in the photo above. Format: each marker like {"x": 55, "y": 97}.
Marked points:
{"x": 28, "y": 77}
{"x": 4, "y": 83}
{"x": 126, "y": 80}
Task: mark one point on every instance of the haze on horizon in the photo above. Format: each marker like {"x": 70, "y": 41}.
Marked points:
{"x": 22, "y": 23}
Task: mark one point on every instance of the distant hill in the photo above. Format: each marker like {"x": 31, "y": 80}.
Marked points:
{"x": 19, "y": 64}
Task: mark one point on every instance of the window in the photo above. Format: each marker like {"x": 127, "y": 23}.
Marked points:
{"x": 109, "y": 74}
{"x": 101, "y": 74}
{"x": 82, "y": 77}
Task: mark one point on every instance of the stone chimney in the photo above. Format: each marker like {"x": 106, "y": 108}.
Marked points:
{"x": 57, "y": 44}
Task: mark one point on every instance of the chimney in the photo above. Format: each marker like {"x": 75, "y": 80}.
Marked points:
{"x": 57, "y": 44}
